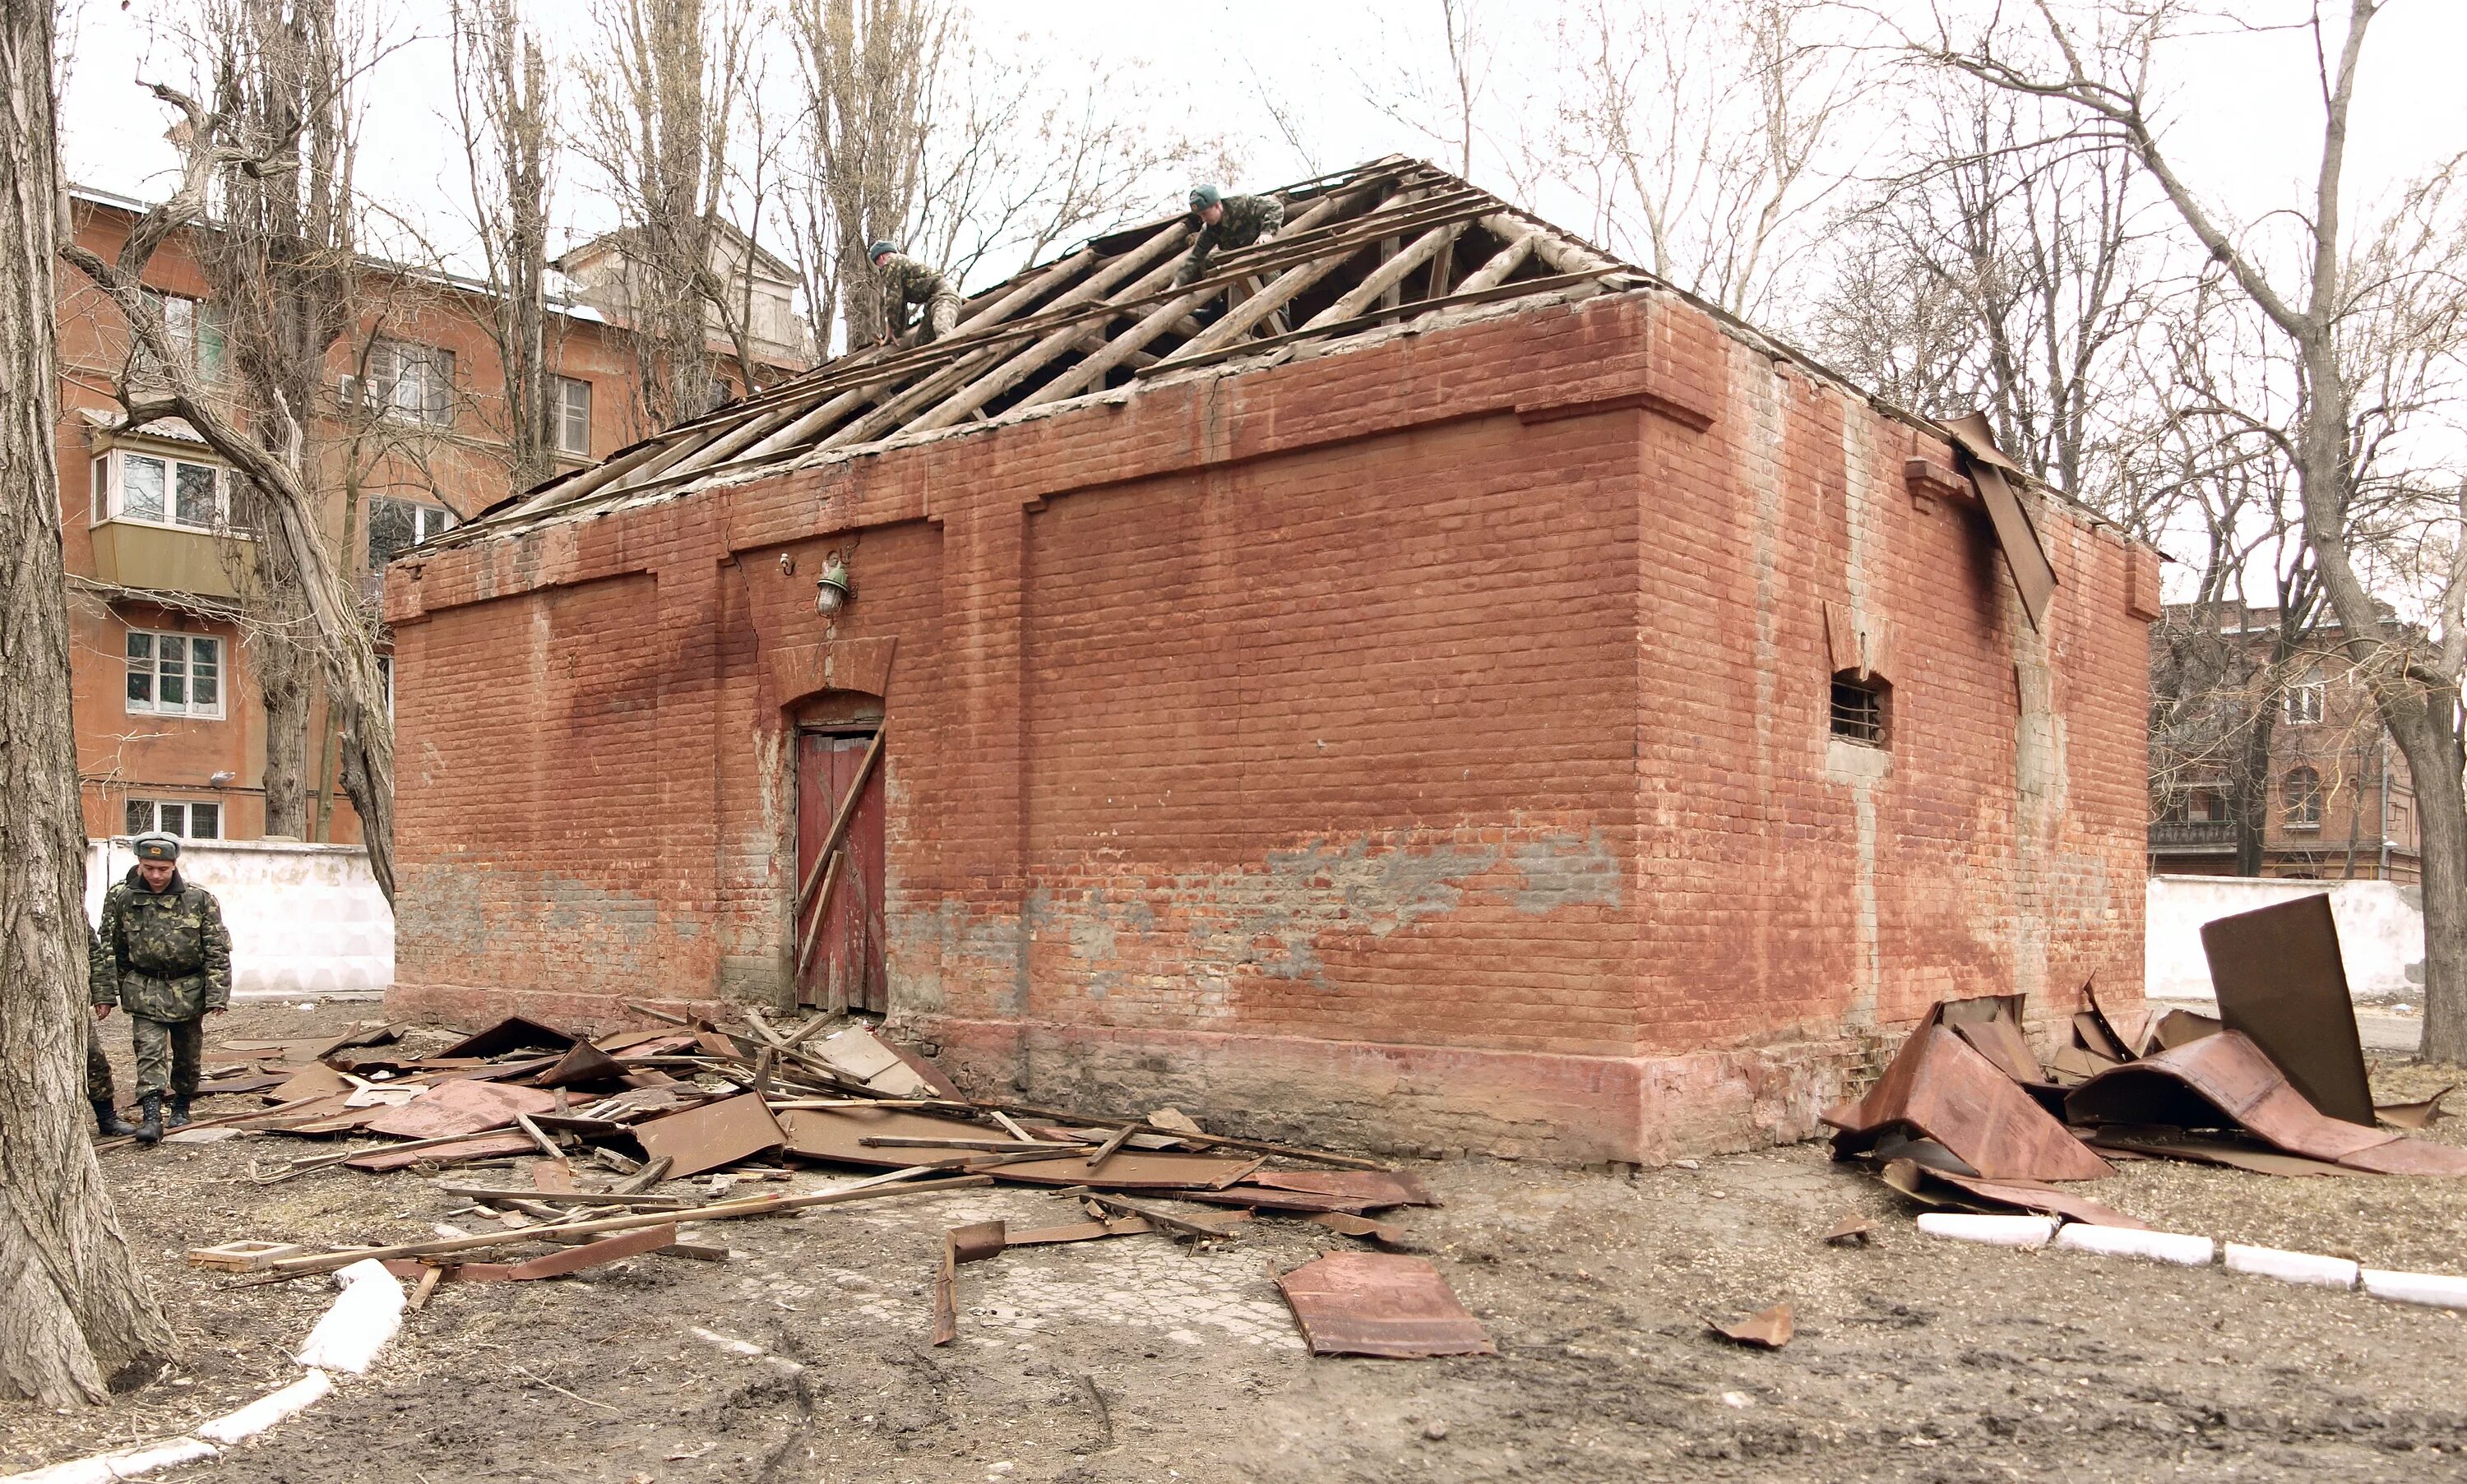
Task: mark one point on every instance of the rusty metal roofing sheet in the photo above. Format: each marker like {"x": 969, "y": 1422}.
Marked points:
{"x": 1380, "y": 1304}
{"x": 514, "y": 1033}
{"x": 715, "y": 1134}
{"x": 461, "y": 1107}
{"x": 1945, "y": 1088}
{"x": 835, "y": 1133}
{"x": 2280, "y": 980}
{"x": 2224, "y": 1081}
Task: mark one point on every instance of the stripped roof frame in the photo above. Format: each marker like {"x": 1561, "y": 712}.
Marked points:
{"x": 1385, "y": 243}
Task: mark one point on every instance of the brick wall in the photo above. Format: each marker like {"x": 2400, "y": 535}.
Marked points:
{"x": 1425, "y": 744}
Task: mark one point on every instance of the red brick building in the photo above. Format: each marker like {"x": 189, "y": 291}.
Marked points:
{"x": 1423, "y": 682}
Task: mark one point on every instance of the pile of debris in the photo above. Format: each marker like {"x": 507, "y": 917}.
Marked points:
{"x": 1966, "y": 1115}
{"x": 611, "y": 1125}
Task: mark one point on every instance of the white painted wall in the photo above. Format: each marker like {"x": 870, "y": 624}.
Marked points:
{"x": 2380, "y": 932}
{"x": 304, "y": 919}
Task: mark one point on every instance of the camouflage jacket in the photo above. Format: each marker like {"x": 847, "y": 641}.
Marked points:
{"x": 165, "y": 952}
{"x": 1246, "y": 220}
{"x": 97, "y": 970}
{"x": 906, "y": 282}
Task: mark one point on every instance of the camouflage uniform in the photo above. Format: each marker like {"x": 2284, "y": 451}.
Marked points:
{"x": 906, "y": 282}
{"x": 1246, "y": 219}
{"x": 168, "y": 958}
{"x": 98, "y": 1087}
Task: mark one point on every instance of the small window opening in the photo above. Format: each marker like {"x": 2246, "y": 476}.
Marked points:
{"x": 1859, "y": 710}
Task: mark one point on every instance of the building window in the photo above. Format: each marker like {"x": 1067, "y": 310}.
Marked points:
{"x": 161, "y": 490}
{"x": 187, "y": 820}
{"x": 574, "y": 416}
{"x": 410, "y": 381}
{"x": 174, "y": 674}
{"x": 1859, "y": 709}
{"x": 2304, "y": 701}
{"x": 397, "y": 525}
{"x": 196, "y": 330}
{"x": 2299, "y": 795}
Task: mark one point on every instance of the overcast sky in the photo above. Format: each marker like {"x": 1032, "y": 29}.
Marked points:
{"x": 2244, "y": 111}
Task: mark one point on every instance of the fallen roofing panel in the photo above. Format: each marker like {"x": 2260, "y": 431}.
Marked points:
{"x": 486, "y": 1146}
{"x": 1941, "y": 1086}
{"x": 715, "y": 1134}
{"x": 2280, "y": 980}
{"x": 461, "y": 1107}
{"x": 837, "y": 1135}
{"x": 514, "y": 1033}
{"x": 1940, "y": 1187}
{"x": 1380, "y": 1304}
{"x": 2224, "y": 1081}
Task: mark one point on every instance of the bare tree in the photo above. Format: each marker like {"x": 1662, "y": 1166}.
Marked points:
{"x": 870, "y": 69}
{"x": 76, "y": 1313}
{"x": 662, "y": 116}
{"x": 508, "y": 114}
{"x": 268, "y": 438}
{"x": 1696, "y": 129}
{"x": 2360, "y": 310}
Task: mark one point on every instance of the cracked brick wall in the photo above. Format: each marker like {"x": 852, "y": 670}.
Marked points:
{"x": 1425, "y": 745}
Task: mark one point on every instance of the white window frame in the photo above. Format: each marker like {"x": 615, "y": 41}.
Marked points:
{"x": 161, "y": 812}
{"x": 567, "y": 390}
{"x": 407, "y": 381}
{"x": 427, "y": 523}
{"x": 187, "y": 706}
{"x": 195, "y": 332}
{"x": 2304, "y": 703}
{"x": 109, "y": 472}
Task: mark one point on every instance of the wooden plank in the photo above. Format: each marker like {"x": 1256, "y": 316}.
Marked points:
{"x": 847, "y": 812}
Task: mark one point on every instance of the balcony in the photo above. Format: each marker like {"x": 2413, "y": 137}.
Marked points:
{"x": 167, "y": 559}
{"x": 2191, "y": 836}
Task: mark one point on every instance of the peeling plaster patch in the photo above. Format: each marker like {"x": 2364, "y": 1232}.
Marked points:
{"x": 1206, "y": 931}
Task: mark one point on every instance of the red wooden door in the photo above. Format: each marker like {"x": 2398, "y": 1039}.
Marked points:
{"x": 839, "y": 940}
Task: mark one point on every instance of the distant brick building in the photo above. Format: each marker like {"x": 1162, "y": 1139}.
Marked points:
{"x": 2332, "y": 800}
{"x": 1427, "y": 683}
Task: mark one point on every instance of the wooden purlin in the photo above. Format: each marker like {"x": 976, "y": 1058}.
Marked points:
{"x": 772, "y": 434}
{"x": 1009, "y": 373}
{"x": 1239, "y": 322}
{"x": 1387, "y": 275}
{"x": 1508, "y": 259}
{"x": 1122, "y": 347}
{"x": 893, "y": 415}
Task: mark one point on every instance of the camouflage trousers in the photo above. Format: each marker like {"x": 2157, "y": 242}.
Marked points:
{"x": 942, "y": 317}
{"x": 99, "y": 1086}
{"x": 168, "y": 1054}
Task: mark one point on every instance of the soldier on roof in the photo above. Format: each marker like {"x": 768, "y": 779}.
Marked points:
{"x": 1227, "y": 222}
{"x": 167, "y": 961}
{"x": 905, "y": 281}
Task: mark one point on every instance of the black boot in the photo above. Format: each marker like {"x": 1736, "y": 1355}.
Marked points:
{"x": 152, "y": 1130}
{"x": 107, "y": 1121}
{"x": 179, "y": 1115}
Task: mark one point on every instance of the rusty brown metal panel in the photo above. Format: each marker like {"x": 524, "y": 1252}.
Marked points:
{"x": 1945, "y": 1088}
{"x": 514, "y": 1033}
{"x": 1380, "y": 1304}
{"x": 2280, "y": 980}
{"x": 1938, "y": 1186}
{"x": 835, "y": 1135}
{"x": 715, "y": 1134}
{"x": 462, "y": 1107}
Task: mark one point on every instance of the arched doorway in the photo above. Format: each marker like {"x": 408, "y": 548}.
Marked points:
{"x": 837, "y": 919}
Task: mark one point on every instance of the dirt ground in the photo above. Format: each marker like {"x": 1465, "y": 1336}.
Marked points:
{"x": 1140, "y": 1359}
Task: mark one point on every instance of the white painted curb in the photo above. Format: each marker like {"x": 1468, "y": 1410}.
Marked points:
{"x": 2439, "y": 1290}
{"x": 2309, "y": 1268}
{"x": 2160, "y": 1247}
{"x": 353, "y": 1328}
{"x": 2022, "y": 1232}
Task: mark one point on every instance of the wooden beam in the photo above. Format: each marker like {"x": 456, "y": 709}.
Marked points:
{"x": 1011, "y": 373}
{"x": 1258, "y": 307}
{"x": 841, "y": 816}
{"x": 1506, "y": 260}
{"x": 1388, "y": 274}
{"x": 1122, "y": 347}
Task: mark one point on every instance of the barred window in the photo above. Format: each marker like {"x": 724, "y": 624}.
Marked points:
{"x": 1860, "y": 708}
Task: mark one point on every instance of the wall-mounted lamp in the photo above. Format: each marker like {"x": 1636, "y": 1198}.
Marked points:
{"x": 220, "y": 778}
{"x": 832, "y": 590}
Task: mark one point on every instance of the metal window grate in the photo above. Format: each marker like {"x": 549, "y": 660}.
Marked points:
{"x": 1858, "y": 712}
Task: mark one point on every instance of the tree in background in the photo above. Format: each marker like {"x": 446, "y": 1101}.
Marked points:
{"x": 2373, "y": 317}
{"x": 508, "y": 113}
{"x": 76, "y": 1313}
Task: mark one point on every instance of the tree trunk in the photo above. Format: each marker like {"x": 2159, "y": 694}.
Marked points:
{"x": 2432, "y": 747}
{"x": 286, "y": 676}
{"x": 76, "y": 1316}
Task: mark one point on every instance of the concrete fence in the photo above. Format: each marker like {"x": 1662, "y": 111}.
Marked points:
{"x": 304, "y": 919}
{"x": 2380, "y": 932}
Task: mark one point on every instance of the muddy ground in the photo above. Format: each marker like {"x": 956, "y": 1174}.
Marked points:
{"x": 1139, "y": 1360}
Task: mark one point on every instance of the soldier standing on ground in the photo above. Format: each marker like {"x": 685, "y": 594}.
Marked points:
{"x": 169, "y": 962}
{"x": 906, "y": 282}
{"x": 1227, "y": 222}
{"x": 98, "y": 1089}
